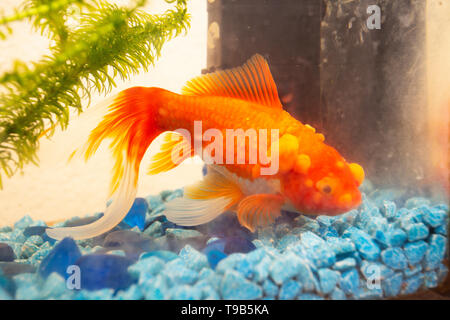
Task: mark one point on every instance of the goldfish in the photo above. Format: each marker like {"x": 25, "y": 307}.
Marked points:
{"x": 308, "y": 176}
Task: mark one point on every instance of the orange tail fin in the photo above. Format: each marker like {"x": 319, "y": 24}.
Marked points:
{"x": 130, "y": 123}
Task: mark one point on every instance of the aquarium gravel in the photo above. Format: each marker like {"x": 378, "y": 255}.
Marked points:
{"x": 389, "y": 246}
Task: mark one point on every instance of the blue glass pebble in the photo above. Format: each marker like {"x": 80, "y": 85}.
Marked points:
{"x": 6, "y": 252}
{"x": 136, "y": 214}
{"x": 64, "y": 254}
{"x": 394, "y": 258}
{"x": 99, "y": 271}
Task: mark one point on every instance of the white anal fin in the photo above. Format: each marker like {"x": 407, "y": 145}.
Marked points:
{"x": 204, "y": 200}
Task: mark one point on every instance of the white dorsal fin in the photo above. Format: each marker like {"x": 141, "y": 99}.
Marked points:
{"x": 251, "y": 82}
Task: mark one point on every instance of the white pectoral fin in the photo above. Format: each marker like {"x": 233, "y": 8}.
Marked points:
{"x": 204, "y": 200}
{"x": 193, "y": 212}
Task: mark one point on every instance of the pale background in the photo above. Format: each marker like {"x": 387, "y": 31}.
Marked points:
{"x": 56, "y": 190}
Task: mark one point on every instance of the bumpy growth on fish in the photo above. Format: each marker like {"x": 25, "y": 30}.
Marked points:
{"x": 311, "y": 177}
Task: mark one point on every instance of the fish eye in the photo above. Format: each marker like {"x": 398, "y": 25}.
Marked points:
{"x": 326, "y": 189}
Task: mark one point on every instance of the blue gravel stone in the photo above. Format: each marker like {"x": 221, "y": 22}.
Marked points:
{"x": 230, "y": 262}
{"x": 155, "y": 288}
{"x": 434, "y": 217}
{"x": 290, "y": 289}
{"x": 389, "y": 208}
{"x": 436, "y": 251}
{"x": 193, "y": 259}
{"x": 415, "y": 251}
{"x": 132, "y": 293}
{"x": 416, "y": 202}
{"x": 412, "y": 270}
{"x": 345, "y": 264}
{"x": 26, "y": 287}
{"x": 416, "y": 231}
{"x": 287, "y": 266}
{"x": 155, "y": 229}
{"x": 64, "y": 254}
{"x": 326, "y": 220}
{"x": 34, "y": 231}
{"x": 431, "y": 279}
{"x": 181, "y": 234}
{"x": 146, "y": 268}
{"x": 341, "y": 245}
{"x": 376, "y": 224}
{"x": 6, "y": 252}
{"x": 55, "y": 288}
{"x": 442, "y": 229}
{"x": 24, "y": 222}
{"x": 397, "y": 237}
{"x": 184, "y": 292}
{"x": 154, "y": 201}
{"x": 261, "y": 271}
{"x": 99, "y": 271}
{"x": 270, "y": 289}
{"x": 161, "y": 254}
{"x": 103, "y": 294}
{"x": 392, "y": 285}
{"x": 179, "y": 274}
{"x": 394, "y": 258}
{"x": 309, "y": 296}
{"x": 413, "y": 284}
{"x": 364, "y": 244}
{"x": 328, "y": 280}
{"x": 372, "y": 270}
{"x": 235, "y": 286}
{"x": 317, "y": 250}
{"x": 307, "y": 277}
{"x": 338, "y": 294}
{"x": 350, "y": 282}
{"x": 287, "y": 240}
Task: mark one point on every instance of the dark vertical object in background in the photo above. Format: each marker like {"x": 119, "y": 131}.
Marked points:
{"x": 286, "y": 32}
{"x": 364, "y": 89}
{"x": 373, "y": 86}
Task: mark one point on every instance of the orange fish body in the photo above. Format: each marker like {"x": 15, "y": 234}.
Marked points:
{"x": 310, "y": 177}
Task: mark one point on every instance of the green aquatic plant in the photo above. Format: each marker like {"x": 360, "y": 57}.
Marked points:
{"x": 107, "y": 41}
